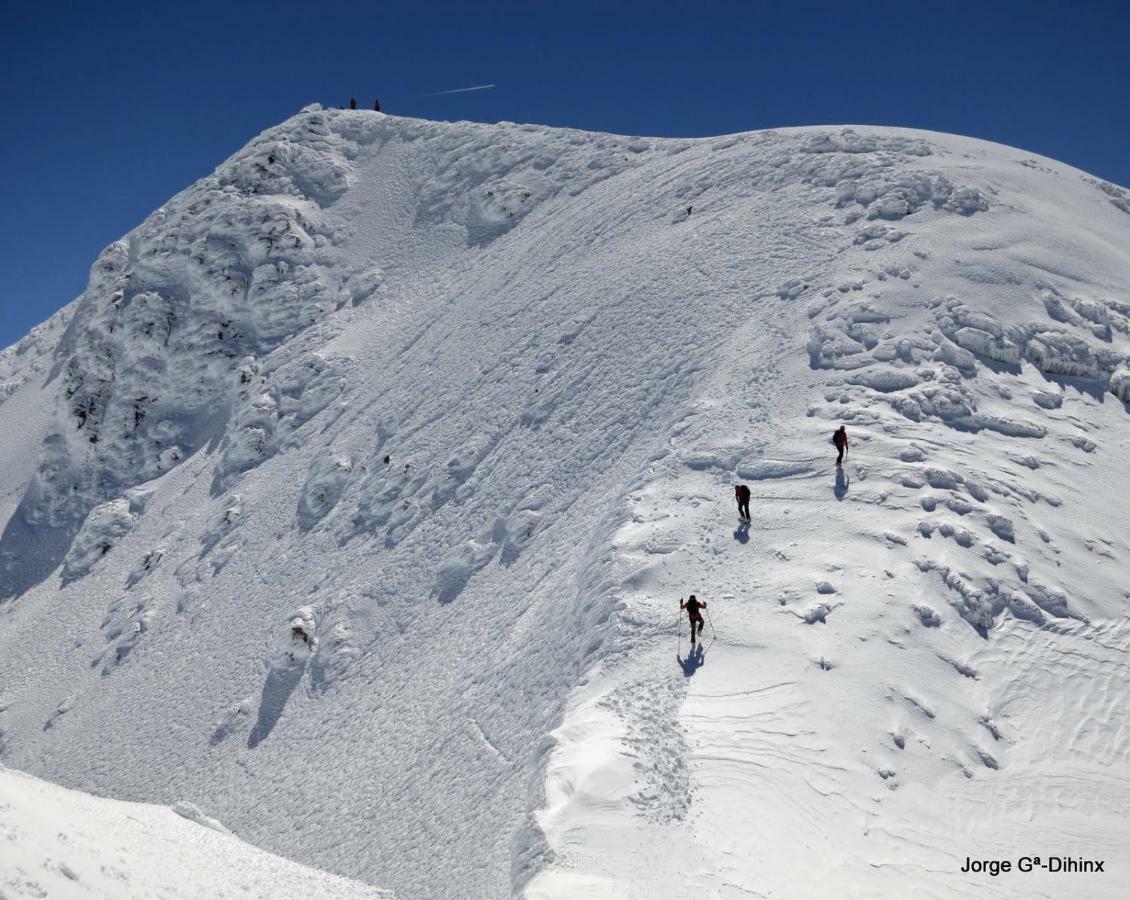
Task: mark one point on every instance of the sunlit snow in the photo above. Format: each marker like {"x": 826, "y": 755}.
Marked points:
{"x": 353, "y": 502}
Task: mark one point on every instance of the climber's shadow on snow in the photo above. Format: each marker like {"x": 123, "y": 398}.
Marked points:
{"x": 693, "y": 661}
{"x": 842, "y": 484}
{"x": 741, "y": 535}
{"x": 280, "y": 684}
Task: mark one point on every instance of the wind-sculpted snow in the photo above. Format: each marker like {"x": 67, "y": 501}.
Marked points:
{"x": 31, "y": 357}
{"x": 177, "y": 315}
{"x": 227, "y": 270}
{"x": 355, "y": 495}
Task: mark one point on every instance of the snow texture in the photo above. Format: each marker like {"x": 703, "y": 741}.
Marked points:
{"x": 355, "y": 495}
{"x": 62, "y": 843}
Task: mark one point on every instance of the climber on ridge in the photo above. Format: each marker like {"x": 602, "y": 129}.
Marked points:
{"x": 377, "y": 105}
{"x": 840, "y": 439}
{"x": 352, "y": 102}
{"x": 692, "y": 606}
{"x": 741, "y": 493}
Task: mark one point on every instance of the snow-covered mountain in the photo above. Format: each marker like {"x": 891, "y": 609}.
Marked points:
{"x": 353, "y": 500}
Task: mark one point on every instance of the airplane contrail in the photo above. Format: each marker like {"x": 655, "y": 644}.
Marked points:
{"x": 477, "y": 87}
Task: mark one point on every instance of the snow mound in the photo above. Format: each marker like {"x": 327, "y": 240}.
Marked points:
{"x": 63, "y": 843}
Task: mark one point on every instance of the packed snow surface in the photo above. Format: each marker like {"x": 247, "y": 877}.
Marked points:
{"x": 62, "y": 844}
{"x": 352, "y": 503}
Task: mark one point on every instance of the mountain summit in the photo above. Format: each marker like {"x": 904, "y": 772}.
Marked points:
{"x": 353, "y": 501}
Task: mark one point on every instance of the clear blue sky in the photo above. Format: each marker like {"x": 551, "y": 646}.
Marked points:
{"x": 111, "y": 108}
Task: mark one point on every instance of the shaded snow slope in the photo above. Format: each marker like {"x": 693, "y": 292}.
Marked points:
{"x": 384, "y": 452}
{"x": 60, "y": 843}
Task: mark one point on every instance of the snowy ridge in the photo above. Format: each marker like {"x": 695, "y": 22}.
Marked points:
{"x": 890, "y": 667}
{"x": 385, "y": 451}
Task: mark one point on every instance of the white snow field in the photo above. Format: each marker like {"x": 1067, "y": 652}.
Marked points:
{"x": 61, "y": 843}
{"x": 353, "y": 501}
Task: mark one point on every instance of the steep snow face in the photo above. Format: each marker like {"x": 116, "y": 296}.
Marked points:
{"x": 372, "y": 456}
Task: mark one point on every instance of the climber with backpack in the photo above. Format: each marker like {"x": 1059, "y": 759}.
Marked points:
{"x": 741, "y": 493}
{"x": 692, "y": 606}
{"x": 840, "y": 439}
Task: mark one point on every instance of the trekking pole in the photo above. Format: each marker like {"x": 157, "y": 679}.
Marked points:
{"x": 711, "y": 621}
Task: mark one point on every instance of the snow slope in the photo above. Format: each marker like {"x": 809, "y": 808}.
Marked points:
{"x": 354, "y": 497}
{"x": 61, "y": 843}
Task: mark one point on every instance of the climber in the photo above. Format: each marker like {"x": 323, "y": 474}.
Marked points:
{"x": 352, "y": 102}
{"x": 741, "y": 493}
{"x": 840, "y": 439}
{"x": 692, "y": 607}
{"x": 377, "y": 105}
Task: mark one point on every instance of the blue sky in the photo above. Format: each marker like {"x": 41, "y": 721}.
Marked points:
{"x": 109, "y": 109}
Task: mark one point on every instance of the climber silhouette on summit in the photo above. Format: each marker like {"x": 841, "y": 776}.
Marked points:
{"x": 352, "y": 102}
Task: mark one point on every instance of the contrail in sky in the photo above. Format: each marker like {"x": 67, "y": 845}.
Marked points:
{"x": 477, "y": 87}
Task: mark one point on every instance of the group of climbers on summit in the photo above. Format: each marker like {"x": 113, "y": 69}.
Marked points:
{"x": 376, "y": 104}
{"x": 741, "y": 494}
